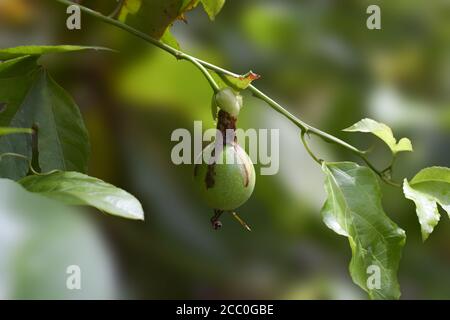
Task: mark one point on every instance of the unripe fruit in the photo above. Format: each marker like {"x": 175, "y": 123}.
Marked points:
{"x": 229, "y": 180}
{"x": 229, "y": 101}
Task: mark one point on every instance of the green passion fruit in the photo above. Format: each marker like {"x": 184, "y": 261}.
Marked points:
{"x": 226, "y": 176}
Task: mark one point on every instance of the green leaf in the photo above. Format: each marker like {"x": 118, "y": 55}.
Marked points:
{"x": 212, "y": 7}
{"x": 187, "y": 5}
{"x": 5, "y": 131}
{"x": 238, "y": 83}
{"x": 11, "y": 53}
{"x": 75, "y": 188}
{"x": 159, "y": 15}
{"x": 16, "y": 78}
{"x": 431, "y": 186}
{"x": 129, "y": 7}
{"x": 353, "y": 209}
{"x": 170, "y": 40}
{"x": 18, "y": 66}
{"x": 37, "y": 101}
{"x": 63, "y": 140}
{"x": 383, "y": 132}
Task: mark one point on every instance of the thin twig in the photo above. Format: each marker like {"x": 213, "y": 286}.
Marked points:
{"x": 308, "y": 149}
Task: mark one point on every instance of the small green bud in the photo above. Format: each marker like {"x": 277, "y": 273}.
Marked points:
{"x": 229, "y": 101}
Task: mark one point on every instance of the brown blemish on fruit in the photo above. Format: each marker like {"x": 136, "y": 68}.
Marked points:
{"x": 243, "y": 167}
{"x": 226, "y": 122}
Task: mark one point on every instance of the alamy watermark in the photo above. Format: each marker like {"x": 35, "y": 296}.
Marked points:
{"x": 73, "y": 22}
{"x": 73, "y": 281}
{"x": 374, "y": 20}
{"x": 374, "y": 278}
{"x": 263, "y": 146}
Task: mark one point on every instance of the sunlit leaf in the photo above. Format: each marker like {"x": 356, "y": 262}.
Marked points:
{"x": 431, "y": 186}
{"x": 383, "y": 132}
{"x": 353, "y": 209}
{"x": 75, "y": 188}
{"x": 212, "y": 7}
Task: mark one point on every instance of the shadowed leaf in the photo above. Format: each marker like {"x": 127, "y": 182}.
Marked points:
{"x": 37, "y": 101}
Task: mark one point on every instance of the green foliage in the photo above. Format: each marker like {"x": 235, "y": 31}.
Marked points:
{"x": 15, "y": 82}
{"x": 63, "y": 141}
{"x": 383, "y": 132}
{"x": 169, "y": 39}
{"x": 353, "y": 209}
{"x": 431, "y": 186}
{"x": 75, "y": 188}
{"x": 161, "y": 14}
{"x": 18, "y": 66}
{"x": 212, "y": 7}
{"x": 36, "y": 100}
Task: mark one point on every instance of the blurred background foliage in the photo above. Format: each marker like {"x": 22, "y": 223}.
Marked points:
{"x": 320, "y": 61}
